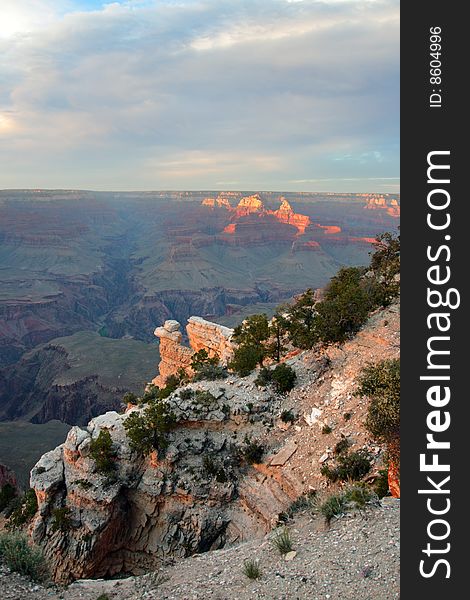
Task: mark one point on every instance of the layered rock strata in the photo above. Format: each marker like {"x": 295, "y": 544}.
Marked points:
{"x": 202, "y": 335}
{"x": 195, "y": 497}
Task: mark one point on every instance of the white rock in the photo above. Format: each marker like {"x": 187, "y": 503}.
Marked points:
{"x": 313, "y": 417}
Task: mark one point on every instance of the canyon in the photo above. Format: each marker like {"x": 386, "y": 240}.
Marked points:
{"x": 80, "y": 269}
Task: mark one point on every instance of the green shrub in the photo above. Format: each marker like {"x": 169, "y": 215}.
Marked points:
{"x": 205, "y": 398}
{"x": 345, "y": 307}
{"x": 326, "y": 429}
{"x": 186, "y": 394}
{"x": 359, "y": 495}
{"x": 381, "y": 383}
{"x": 7, "y": 494}
{"x": 252, "y": 452}
{"x": 148, "y": 429}
{"x": 207, "y": 367}
{"x": 333, "y": 506}
{"x": 251, "y": 569}
{"x": 264, "y": 377}
{"x": 250, "y": 336}
{"x": 301, "y": 324}
{"x": 210, "y": 465}
{"x": 385, "y": 263}
{"x": 282, "y": 541}
{"x": 353, "y": 466}
{"x": 22, "y": 558}
{"x": 347, "y": 416}
{"x": 61, "y": 520}
{"x": 102, "y": 452}
{"x": 24, "y": 509}
{"x": 284, "y": 378}
{"x": 287, "y": 416}
{"x": 342, "y": 446}
{"x": 381, "y": 484}
{"x": 245, "y": 359}
{"x": 211, "y": 373}
{"x": 151, "y": 393}
{"x": 130, "y": 398}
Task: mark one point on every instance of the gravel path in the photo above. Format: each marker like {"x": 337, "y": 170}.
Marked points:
{"x": 357, "y": 557}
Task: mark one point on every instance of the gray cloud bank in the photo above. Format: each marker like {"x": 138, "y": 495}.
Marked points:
{"x": 205, "y": 94}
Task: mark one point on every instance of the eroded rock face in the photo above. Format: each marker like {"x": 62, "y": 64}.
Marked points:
{"x": 195, "y": 497}
{"x": 202, "y": 334}
{"x": 212, "y": 337}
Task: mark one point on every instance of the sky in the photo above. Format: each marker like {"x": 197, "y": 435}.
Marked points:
{"x": 288, "y": 95}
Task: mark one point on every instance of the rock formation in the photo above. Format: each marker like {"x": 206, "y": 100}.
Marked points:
{"x": 202, "y": 335}
{"x": 392, "y": 207}
{"x": 202, "y": 494}
{"x": 212, "y": 337}
{"x": 196, "y": 497}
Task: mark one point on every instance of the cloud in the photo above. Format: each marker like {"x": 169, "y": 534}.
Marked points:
{"x": 188, "y": 94}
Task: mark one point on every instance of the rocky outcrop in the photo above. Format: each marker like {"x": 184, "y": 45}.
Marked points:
{"x": 202, "y": 494}
{"x": 202, "y": 335}
{"x": 173, "y": 355}
{"x": 212, "y": 337}
{"x": 285, "y": 214}
{"x": 250, "y": 206}
{"x": 29, "y": 390}
{"x": 196, "y": 497}
{"x": 391, "y": 206}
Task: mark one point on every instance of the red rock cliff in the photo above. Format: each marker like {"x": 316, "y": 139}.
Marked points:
{"x": 202, "y": 334}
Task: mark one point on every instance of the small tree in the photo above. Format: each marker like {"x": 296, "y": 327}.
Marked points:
{"x": 254, "y": 330}
{"x": 202, "y": 359}
{"x": 301, "y": 321}
{"x": 284, "y": 378}
{"x": 278, "y": 327}
{"x": 381, "y": 383}
{"x": 345, "y": 307}
{"x": 130, "y": 398}
{"x": 207, "y": 367}
{"x": 102, "y": 452}
{"x": 245, "y": 359}
{"x": 385, "y": 262}
{"x": 148, "y": 429}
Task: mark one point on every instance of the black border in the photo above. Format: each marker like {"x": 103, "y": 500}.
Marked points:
{"x": 425, "y": 129}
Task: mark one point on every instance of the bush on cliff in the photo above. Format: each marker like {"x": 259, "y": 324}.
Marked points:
{"x": 102, "y": 452}
{"x": 282, "y": 377}
{"x": 385, "y": 263}
{"x": 251, "y": 351}
{"x": 345, "y": 307}
{"x": 22, "y": 510}
{"x": 381, "y": 383}
{"x": 207, "y": 367}
{"x": 22, "y": 558}
{"x": 350, "y": 467}
{"x": 245, "y": 359}
{"x": 301, "y": 321}
{"x": 147, "y": 430}
{"x": 7, "y": 494}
